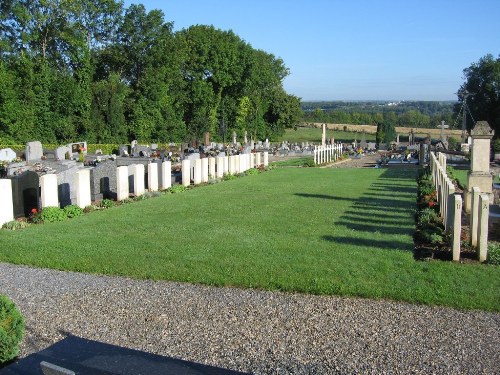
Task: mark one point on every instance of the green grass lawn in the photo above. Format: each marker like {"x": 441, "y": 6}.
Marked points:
{"x": 323, "y": 231}
{"x": 303, "y": 134}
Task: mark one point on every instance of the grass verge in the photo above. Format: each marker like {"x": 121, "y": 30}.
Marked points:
{"x": 322, "y": 231}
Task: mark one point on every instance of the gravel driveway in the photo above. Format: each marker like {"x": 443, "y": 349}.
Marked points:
{"x": 250, "y": 330}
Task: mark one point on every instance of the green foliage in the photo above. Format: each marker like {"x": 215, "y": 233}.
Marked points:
{"x": 50, "y": 214}
{"x": 176, "y": 189}
{"x": 453, "y": 144}
{"x": 427, "y": 216}
{"x": 494, "y": 253}
{"x": 106, "y": 203}
{"x": 229, "y": 177}
{"x": 92, "y": 70}
{"x": 15, "y": 225}
{"x": 483, "y": 79}
{"x": 72, "y": 211}
{"x": 11, "y": 329}
{"x": 496, "y": 145}
{"x": 252, "y": 171}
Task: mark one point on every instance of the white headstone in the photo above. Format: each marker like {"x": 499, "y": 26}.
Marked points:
{"x": 7, "y": 154}
{"x": 257, "y": 159}
{"x": 49, "y": 192}
{"x": 197, "y": 172}
{"x": 166, "y": 175}
{"x": 457, "y": 227}
{"x": 474, "y": 215}
{"x": 83, "y": 198}
{"x": 204, "y": 170}
{"x": 220, "y": 166}
{"x": 186, "y": 172}
{"x": 211, "y": 167}
{"x": 138, "y": 171}
{"x": 153, "y": 177}
{"x": 484, "y": 210}
{"x": 266, "y": 159}
{"x": 6, "y": 205}
{"x": 122, "y": 186}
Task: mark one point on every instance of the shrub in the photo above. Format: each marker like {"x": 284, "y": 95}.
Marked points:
{"x": 106, "y": 203}
{"x": 308, "y": 163}
{"x": 176, "y": 189}
{"x": 252, "y": 171}
{"x": 229, "y": 176}
{"x": 427, "y": 216}
{"x": 15, "y": 225}
{"x": 72, "y": 211}
{"x": 50, "y": 215}
{"x": 494, "y": 253}
{"x": 90, "y": 208}
{"x": 11, "y": 329}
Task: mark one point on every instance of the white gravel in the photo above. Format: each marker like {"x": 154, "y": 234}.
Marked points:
{"x": 250, "y": 330}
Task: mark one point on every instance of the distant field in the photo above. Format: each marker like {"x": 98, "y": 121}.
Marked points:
{"x": 402, "y": 130}
{"x": 303, "y": 134}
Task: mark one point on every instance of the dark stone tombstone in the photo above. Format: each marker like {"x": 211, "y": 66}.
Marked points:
{"x": 103, "y": 181}
{"x": 25, "y": 193}
{"x": 64, "y": 194}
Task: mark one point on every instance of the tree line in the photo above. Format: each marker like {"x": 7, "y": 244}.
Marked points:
{"x": 409, "y": 114}
{"x": 93, "y": 70}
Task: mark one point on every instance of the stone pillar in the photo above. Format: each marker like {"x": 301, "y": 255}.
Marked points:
{"x": 83, "y": 188}
{"x": 152, "y": 177}
{"x": 6, "y": 205}
{"x": 474, "y": 216}
{"x": 211, "y": 168}
{"x": 457, "y": 227}
{"x": 204, "y": 170}
{"x": 484, "y": 211}
{"x": 166, "y": 175}
{"x": 122, "y": 187}
{"x": 266, "y": 159}
{"x": 138, "y": 171}
{"x": 257, "y": 159}
{"x": 479, "y": 175}
{"x": 48, "y": 185}
{"x": 186, "y": 172}
{"x": 197, "y": 172}
{"x": 323, "y": 135}
{"x": 220, "y": 166}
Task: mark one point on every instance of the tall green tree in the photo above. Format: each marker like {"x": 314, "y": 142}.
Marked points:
{"x": 482, "y": 83}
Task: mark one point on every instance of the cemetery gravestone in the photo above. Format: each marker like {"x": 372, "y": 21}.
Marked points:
{"x": 25, "y": 196}
{"x": 33, "y": 151}
{"x": 103, "y": 181}
{"x": 7, "y": 154}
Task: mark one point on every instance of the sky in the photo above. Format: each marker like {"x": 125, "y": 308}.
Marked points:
{"x": 356, "y": 49}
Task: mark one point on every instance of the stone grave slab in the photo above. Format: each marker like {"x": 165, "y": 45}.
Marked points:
{"x": 7, "y": 154}
{"x": 33, "y": 151}
{"x": 25, "y": 193}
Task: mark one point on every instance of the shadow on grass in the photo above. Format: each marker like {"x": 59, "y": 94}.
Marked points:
{"x": 364, "y": 242}
{"x": 373, "y": 213}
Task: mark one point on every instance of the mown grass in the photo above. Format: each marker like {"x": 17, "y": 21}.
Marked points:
{"x": 303, "y": 134}
{"x": 322, "y": 231}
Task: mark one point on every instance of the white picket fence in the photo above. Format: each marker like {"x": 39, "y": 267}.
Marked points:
{"x": 450, "y": 209}
{"x": 327, "y": 154}
{"x": 199, "y": 171}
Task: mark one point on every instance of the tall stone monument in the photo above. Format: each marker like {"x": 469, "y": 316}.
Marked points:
{"x": 479, "y": 174}
{"x": 323, "y": 136}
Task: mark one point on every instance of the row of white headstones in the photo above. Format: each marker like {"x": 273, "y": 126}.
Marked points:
{"x": 193, "y": 171}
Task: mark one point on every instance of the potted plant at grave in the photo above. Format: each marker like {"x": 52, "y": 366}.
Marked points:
{"x": 81, "y": 156}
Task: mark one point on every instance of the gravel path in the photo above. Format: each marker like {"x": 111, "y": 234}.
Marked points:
{"x": 254, "y": 331}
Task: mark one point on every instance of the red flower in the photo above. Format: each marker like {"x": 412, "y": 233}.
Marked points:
{"x": 432, "y": 204}
{"x": 34, "y": 211}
